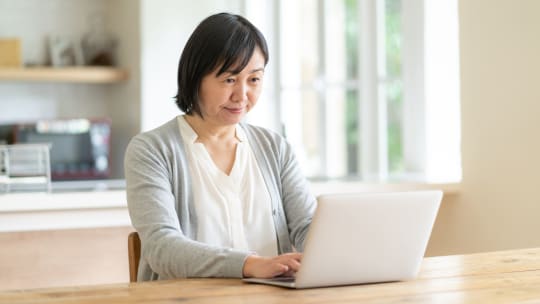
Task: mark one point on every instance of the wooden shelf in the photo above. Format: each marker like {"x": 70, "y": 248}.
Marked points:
{"x": 64, "y": 74}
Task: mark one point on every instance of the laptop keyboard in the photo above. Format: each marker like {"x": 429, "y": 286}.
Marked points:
{"x": 283, "y": 279}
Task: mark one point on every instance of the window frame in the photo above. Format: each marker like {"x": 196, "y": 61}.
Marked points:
{"x": 373, "y": 161}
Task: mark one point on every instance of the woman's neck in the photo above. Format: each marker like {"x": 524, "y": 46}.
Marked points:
{"x": 206, "y": 131}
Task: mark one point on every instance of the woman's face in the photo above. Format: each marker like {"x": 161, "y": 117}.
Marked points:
{"x": 225, "y": 99}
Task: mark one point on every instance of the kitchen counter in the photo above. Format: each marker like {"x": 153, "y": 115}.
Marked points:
{"x": 63, "y": 210}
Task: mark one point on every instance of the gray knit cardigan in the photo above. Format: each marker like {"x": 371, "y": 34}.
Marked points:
{"x": 160, "y": 204}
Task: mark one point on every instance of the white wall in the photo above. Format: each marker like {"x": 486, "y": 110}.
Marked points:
{"x": 498, "y": 206}
{"x": 125, "y": 108}
{"x": 165, "y": 28}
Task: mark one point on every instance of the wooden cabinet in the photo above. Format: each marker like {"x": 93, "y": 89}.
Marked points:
{"x": 51, "y": 258}
{"x": 63, "y": 238}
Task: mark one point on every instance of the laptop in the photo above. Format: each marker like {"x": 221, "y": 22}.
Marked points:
{"x": 364, "y": 238}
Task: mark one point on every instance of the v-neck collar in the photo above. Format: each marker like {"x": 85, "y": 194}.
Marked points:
{"x": 203, "y": 157}
{"x": 190, "y": 136}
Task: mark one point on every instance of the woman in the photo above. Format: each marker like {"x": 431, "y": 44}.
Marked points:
{"x": 211, "y": 196}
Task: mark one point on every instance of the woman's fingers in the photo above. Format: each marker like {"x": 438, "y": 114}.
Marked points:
{"x": 280, "y": 269}
{"x": 292, "y": 260}
{"x": 293, "y": 255}
{"x": 264, "y": 267}
{"x": 294, "y": 265}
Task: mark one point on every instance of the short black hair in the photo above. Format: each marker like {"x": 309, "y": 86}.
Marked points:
{"x": 222, "y": 39}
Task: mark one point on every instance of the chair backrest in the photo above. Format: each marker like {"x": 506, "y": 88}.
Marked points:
{"x": 134, "y": 255}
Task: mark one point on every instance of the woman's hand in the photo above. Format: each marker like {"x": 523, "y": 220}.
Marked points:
{"x": 267, "y": 267}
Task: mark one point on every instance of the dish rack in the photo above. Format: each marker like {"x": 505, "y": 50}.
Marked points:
{"x": 25, "y": 168}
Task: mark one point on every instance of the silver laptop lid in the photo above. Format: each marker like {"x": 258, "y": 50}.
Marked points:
{"x": 367, "y": 237}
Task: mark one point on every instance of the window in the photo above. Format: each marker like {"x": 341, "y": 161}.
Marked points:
{"x": 364, "y": 89}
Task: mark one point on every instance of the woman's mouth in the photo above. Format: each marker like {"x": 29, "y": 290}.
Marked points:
{"x": 235, "y": 110}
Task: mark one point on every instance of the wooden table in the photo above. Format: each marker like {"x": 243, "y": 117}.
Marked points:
{"x": 494, "y": 277}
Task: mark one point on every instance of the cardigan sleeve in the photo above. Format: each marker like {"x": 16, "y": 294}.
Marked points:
{"x": 298, "y": 202}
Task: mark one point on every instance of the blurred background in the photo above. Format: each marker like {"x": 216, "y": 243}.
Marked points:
{"x": 374, "y": 95}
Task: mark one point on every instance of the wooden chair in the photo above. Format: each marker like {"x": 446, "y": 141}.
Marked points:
{"x": 134, "y": 255}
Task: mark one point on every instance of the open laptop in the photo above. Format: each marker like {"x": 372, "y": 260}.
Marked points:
{"x": 364, "y": 238}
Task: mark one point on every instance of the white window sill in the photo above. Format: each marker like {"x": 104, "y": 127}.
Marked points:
{"x": 354, "y": 186}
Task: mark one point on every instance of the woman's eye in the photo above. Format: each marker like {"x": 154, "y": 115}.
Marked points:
{"x": 229, "y": 80}
{"x": 255, "y": 79}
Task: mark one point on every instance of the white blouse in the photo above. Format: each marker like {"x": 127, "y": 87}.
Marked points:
{"x": 232, "y": 210}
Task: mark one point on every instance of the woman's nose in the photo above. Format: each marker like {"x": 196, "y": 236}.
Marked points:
{"x": 240, "y": 92}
